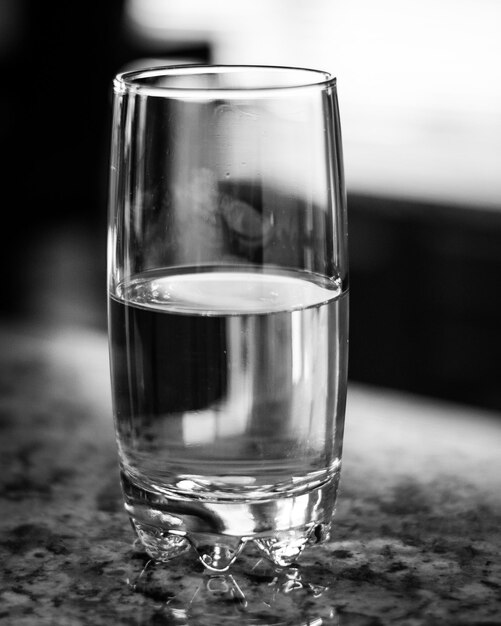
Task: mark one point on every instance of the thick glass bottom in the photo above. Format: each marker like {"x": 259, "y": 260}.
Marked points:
{"x": 217, "y": 530}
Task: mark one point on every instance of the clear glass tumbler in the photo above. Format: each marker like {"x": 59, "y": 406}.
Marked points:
{"x": 228, "y": 307}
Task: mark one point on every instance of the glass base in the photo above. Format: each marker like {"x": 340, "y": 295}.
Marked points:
{"x": 218, "y": 530}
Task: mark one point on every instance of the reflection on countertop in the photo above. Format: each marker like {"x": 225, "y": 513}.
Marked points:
{"x": 417, "y": 534}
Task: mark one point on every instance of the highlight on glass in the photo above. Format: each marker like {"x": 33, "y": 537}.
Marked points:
{"x": 228, "y": 308}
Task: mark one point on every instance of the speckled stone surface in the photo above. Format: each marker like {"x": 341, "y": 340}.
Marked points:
{"x": 417, "y": 536}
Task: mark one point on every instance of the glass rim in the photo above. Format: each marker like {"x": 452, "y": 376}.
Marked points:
{"x": 133, "y": 80}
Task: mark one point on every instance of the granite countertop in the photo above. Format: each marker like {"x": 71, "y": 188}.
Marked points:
{"x": 417, "y": 536}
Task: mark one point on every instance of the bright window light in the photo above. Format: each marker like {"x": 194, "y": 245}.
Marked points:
{"x": 419, "y": 80}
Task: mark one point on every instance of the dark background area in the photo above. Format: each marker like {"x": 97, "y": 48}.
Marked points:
{"x": 426, "y": 298}
{"x": 425, "y": 278}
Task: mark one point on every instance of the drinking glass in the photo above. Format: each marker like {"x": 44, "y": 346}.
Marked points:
{"x": 228, "y": 308}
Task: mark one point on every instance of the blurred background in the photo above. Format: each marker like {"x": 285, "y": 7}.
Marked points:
{"x": 419, "y": 85}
